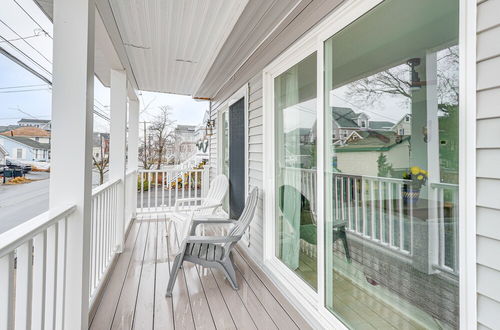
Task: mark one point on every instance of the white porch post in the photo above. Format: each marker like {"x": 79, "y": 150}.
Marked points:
{"x": 133, "y": 150}
{"x": 117, "y": 147}
{"x": 71, "y": 163}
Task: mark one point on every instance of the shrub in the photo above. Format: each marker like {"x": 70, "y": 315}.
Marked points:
{"x": 144, "y": 184}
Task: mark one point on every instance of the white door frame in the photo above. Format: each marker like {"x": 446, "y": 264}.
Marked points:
{"x": 311, "y": 302}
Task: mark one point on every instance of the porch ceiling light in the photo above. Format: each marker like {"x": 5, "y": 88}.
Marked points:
{"x": 415, "y": 84}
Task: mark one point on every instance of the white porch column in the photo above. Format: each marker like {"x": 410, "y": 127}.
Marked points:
{"x": 133, "y": 151}
{"x": 71, "y": 162}
{"x": 117, "y": 147}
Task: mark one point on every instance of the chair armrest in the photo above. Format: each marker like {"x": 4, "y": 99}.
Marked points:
{"x": 196, "y": 222}
{"x": 212, "y": 239}
{"x": 206, "y": 207}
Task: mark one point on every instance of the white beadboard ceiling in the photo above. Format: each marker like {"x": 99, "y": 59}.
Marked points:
{"x": 171, "y": 44}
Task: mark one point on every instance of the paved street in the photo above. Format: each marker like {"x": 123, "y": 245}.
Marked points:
{"x": 22, "y": 202}
{"x": 19, "y": 203}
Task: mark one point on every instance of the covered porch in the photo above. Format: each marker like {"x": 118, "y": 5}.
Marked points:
{"x": 134, "y": 295}
{"x": 100, "y": 258}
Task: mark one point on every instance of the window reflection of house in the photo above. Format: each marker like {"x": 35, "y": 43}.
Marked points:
{"x": 359, "y": 154}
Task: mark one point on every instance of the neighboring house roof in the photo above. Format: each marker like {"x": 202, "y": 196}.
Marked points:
{"x": 29, "y": 142}
{"x": 185, "y": 127}
{"x": 27, "y": 131}
{"x": 372, "y": 141}
{"x": 39, "y": 121}
{"x": 380, "y": 124}
{"x": 344, "y": 117}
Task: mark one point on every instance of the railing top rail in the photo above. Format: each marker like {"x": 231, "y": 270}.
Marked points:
{"x": 99, "y": 189}
{"x": 444, "y": 185}
{"x": 20, "y": 234}
{"x": 130, "y": 172}
{"x": 173, "y": 170}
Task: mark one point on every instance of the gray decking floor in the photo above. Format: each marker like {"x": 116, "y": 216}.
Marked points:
{"x": 134, "y": 297}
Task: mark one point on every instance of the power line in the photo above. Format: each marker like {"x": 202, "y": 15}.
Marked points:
{"x": 25, "y": 90}
{"x": 363, "y": 110}
{"x": 24, "y": 65}
{"x": 23, "y": 86}
{"x": 22, "y": 111}
{"x": 25, "y": 55}
{"x": 23, "y": 38}
{"x": 31, "y": 17}
{"x": 30, "y": 45}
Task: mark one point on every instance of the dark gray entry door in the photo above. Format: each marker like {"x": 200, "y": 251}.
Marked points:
{"x": 236, "y": 158}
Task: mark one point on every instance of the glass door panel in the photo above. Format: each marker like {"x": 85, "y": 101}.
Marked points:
{"x": 391, "y": 162}
{"x": 295, "y": 118}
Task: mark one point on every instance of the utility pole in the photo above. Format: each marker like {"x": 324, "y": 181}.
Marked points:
{"x": 144, "y": 153}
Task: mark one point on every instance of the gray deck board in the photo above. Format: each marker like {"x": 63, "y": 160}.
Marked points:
{"x": 134, "y": 297}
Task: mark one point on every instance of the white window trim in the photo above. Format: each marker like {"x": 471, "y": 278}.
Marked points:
{"x": 292, "y": 286}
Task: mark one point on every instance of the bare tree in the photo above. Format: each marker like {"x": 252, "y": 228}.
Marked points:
{"x": 397, "y": 81}
{"x": 101, "y": 163}
{"x": 161, "y": 131}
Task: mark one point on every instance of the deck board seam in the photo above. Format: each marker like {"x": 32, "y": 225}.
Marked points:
{"x": 185, "y": 278}
{"x": 125, "y": 277}
{"x": 223, "y": 298}
{"x": 156, "y": 267}
{"x": 244, "y": 305}
{"x": 123, "y": 283}
{"x": 206, "y": 297}
{"x": 140, "y": 276}
{"x": 267, "y": 288}
{"x": 258, "y": 299}
{"x": 169, "y": 269}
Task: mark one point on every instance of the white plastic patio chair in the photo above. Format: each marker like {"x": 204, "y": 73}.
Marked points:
{"x": 185, "y": 209}
{"x": 214, "y": 251}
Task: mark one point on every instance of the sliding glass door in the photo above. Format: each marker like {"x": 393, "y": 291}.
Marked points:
{"x": 295, "y": 136}
{"x": 391, "y": 167}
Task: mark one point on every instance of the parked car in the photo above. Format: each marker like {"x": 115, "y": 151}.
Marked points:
{"x": 18, "y": 165}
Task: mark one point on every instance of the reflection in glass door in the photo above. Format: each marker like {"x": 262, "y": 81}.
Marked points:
{"x": 391, "y": 162}
{"x": 295, "y": 117}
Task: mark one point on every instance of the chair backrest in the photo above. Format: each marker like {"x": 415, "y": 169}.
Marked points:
{"x": 247, "y": 214}
{"x": 218, "y": 190}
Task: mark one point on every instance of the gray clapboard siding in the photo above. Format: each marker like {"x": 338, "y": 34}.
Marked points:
{"x": 488, "y": 158}
{"x": 255, "y": 159}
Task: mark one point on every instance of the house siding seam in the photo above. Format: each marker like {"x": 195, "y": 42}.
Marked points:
{"x": 488, "y": 156}
{"x": 255, "y": 159}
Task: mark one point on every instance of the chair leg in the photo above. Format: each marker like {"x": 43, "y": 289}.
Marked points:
{"x": 169, "y": 225}
{"x": 228, "y": 268}
{"x": 346, "y": 246}
{"x": 173, "y": 275}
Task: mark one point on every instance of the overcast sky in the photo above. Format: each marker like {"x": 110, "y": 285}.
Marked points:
{"x": 23, "y": 95}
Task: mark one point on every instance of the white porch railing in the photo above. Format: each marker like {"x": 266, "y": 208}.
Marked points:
{"x": 374, "y": 210}
{"x": 446, "y": 210}
{"x": 159, "y": 189}
{"x": 102, "y": 233}
{"x": 33, "y": 272}
{"x": 130, "y": 196}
